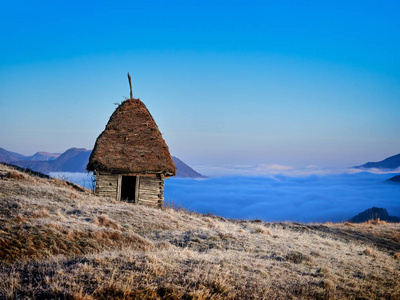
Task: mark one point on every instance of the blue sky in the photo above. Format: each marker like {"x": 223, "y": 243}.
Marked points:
{"x": 228, "y": 82}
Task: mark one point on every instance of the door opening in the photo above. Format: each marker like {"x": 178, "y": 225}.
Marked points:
{"x": 128, "y": 188}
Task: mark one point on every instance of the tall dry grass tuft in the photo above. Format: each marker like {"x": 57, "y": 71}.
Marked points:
{"x": 378, "y": 221}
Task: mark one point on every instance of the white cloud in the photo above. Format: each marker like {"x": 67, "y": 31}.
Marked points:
{"x": 273, "y": 169}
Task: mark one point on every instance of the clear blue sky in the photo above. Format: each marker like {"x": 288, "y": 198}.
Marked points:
{"x": 228, "y": 82}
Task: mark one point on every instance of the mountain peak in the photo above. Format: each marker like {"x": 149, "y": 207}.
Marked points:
{"x": 43, "y": 156}
{"x": 8, "y": 156}
{"x": 395, "y": 178}
{"x": 390, "y": 163}
{"x": 184, "y": 171}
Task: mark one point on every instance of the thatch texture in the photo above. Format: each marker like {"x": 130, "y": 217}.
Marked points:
{"x": 131, "y": 143}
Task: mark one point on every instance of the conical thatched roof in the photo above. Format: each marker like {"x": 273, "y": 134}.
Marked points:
{"x": 131, "y": 143}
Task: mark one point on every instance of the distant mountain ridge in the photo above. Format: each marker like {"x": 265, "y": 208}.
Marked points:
{"x": 8, "y": 156}
{"x": 395, "y": 179}
{"x": 184, "y": 171}
{"x": 374, "y": 213}
{"x": 72, "y": 160}
{"x": 43, "y": 156}
{"x": 390, "y": 163}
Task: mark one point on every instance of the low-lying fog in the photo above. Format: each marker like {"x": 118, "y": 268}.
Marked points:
{"x": 279, "y": 197}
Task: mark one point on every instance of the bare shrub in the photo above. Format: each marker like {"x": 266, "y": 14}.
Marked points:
{"x": 105, "y": 221}
{"x": 261, "y": 230}
{"x": 367, "y": 252}
{"x": 15, "y": 175}
{"x": 348, "y": 224}
{"x": 329, "y": 288}
{"x": 297, "y": 257}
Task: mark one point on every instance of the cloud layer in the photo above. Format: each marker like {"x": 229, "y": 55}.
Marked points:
{"x": 321, "y": 197}
{"x": 313, "y": 198}
{"x": 273, "y": 169}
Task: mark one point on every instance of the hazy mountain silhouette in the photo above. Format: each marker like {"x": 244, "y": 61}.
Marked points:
{"x": 395, "y": 178}
{"x": 374, "y": 213}
{"x": 390, "y": 163}
{"x": 184, "y": 171}
{"x": 43, "y": 156}
{"x": 72, "y": 160}
{"x": 39, "y": 166}
{"x": 8, "y": 156}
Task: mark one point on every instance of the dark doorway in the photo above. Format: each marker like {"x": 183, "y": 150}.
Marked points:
{"x": 128, "y": 188}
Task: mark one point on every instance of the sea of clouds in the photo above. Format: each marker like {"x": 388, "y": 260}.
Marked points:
{"x": 279, "y": 193}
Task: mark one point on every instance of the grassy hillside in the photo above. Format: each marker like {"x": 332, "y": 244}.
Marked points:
{"x": 60, "y": 242}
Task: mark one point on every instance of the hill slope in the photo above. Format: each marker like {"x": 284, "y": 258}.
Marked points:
{"x": 58, "y": 242}
{"x": 389, "y": 163}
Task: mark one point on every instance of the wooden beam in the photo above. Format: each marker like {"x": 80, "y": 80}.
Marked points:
{"x": 137, "y": 189}
{"x": 148, "y": 197}
{"x": 148, "y": 190}
{"x": 119, "y": 183}
{"x": 149, "y": 202}
{"x": 130, "y": 86}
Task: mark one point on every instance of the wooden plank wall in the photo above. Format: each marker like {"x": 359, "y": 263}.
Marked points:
{"x": 107, "y": 185}
{"x": 151, "y": 191}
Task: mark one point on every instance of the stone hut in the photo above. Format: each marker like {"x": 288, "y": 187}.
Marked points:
{"x": 130, "y": 158}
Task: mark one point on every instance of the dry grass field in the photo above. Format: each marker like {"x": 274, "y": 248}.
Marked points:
{"x": 59, "y": 242}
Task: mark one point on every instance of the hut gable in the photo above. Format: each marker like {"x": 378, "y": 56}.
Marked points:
{"x": 131, "y": 144}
